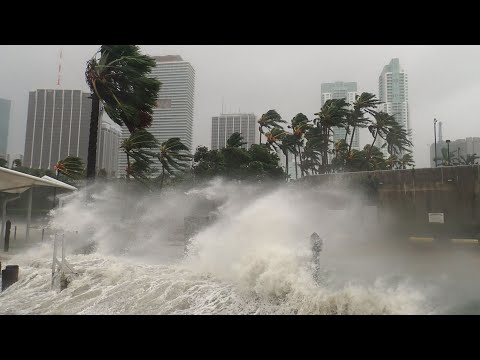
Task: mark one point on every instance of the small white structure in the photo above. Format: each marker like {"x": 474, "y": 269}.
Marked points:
{"x": 15, "y": 182}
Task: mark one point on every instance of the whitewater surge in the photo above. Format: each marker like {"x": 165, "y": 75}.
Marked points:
{"x": 253, "y": 259}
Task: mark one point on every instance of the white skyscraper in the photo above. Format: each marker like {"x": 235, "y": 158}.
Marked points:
{"x": 341, "y": 90}
{"x": 173, "y": 116}
{"x": 393, "y": 92}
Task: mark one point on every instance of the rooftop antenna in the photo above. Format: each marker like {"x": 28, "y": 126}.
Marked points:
{"x": 59, "y": 74}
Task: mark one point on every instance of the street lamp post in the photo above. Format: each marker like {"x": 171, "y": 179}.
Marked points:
{"x": 448, "y": 152}
{"x": 435, "y": 137}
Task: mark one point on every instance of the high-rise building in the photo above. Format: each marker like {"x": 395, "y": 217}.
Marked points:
{"x": 341, "y": 90}
{"x": 173, "y": 116}
{"x": 58, "y": 125}
{"x": 225, "y": 125}
{"x": 4, "y": 125}
{"x": 107, "y": 150}
{"x": 393, "y": 92}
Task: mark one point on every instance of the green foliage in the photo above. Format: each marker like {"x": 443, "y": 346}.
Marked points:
{"x": 120, "y": 76}
{"x": 71, "y": 167}
{"x": 254, "y": 164}
{"x": 235, "y": 141}
{"x": 3, "y": 162}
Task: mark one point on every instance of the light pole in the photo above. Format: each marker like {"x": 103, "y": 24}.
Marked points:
{"x": 435, "y": 137}
{"x": 448, "y": 152}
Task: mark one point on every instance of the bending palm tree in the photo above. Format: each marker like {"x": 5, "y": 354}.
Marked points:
{"x": 173, "y": 156}
{"x": 71, "y": 167}
{"x": 117, "y": 77}
{"x": 271, "y": 119}
{"x": 134, "y": 147}
{"x": 365, "y": 103}
{"x": 469, "y": 159}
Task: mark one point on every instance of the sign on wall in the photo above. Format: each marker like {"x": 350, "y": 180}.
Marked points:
{"x": 436, "y": 218}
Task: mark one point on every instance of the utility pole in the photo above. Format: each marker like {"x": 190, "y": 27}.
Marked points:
{"x": 435, "y": 137}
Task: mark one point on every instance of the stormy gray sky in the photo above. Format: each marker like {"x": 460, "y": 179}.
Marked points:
{"x": 444, "y": 82}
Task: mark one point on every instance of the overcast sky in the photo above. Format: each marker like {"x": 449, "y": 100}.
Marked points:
{"x": 444, "y": 82}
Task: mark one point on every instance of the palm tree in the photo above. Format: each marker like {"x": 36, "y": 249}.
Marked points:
{"x": 117, "y": 77}
{"x": 17, "y": 163}
{"x": 274, "y": 136}
{"x": 173, "y": 156}
{"x": 381, "y": 127}
{"x": 235, "y": 140}
{"x": 333, "y": 113}
{"x": 299, "y": 125}
{"x": 469, "y": 160}
{"x": 135, "y": 148}
{"x": 271, "y": 119}
{"x": 71, "y": 167}
{"x": 447, "y": 158}
{"x": 364, "y": 104}
{"x": 3, "y": 162}
{"x": 397, "y": 140}
{"x": 392, "y": 162}
{"x": 406, "y": 160}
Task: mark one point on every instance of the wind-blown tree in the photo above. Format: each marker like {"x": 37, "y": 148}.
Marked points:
{"x": 118, "y": 78}
{"x": 71, "y": 167}
{"x": 406, "y": 160}
{"x": 299, "y": 124}
{"x": 235, "y": 140}
{"x": 274, "y": 136}
{"x": 470, "y": 159}
{"x": 380, "y": 128}
{"x": 135, "y": 147}
{"x": 332, "y": 114}
{"x": 16, "y": 163}
{"x": 271, "y": 119}
{"x": 3, "y": 162}
{"x": 446, "y": 159}
{"x": 397, "y": 140}
{"x": 365, "y": 103}
{"x": 392, "y": 162}
{"x": 173, "y": 155}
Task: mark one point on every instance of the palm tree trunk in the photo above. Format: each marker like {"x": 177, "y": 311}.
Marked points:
{"x": 286, "y": 163}
{"x": 128, "y": 167}
{"x": 93, "y": 136}
{"x": 371, "y": 147}
{"x": 301, "y": 161}
{"x": 296, "y": 167}
{"x": 260, "y": 132}
{"x": 163, "y": 177}
{"x": 351, "y": 139}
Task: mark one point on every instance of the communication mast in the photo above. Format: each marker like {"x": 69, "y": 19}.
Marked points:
{"x": 59, "y": 74}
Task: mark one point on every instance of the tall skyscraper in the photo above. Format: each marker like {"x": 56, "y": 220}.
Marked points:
{"x": 173, "y": 116}
{"x": 393, "y": 92}
{"x": 4, "y": 125}
{"x": 58, "y": 125}
{"x": 341, "y": 90}
{"x": 225, "y": 125}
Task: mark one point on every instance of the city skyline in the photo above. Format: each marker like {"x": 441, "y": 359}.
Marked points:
{"x": 245, "y": 82}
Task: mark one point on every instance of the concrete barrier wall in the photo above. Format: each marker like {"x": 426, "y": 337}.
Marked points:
{"x": 412, "y": 194}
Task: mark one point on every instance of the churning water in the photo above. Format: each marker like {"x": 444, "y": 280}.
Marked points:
{"x": 253, "y": 258}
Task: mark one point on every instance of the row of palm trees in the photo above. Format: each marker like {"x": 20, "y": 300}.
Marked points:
{"x": 310, "y": 141}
